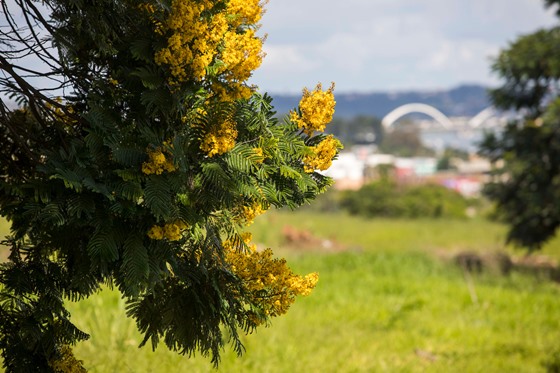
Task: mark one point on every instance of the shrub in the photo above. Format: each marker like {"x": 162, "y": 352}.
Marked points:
{"x": 385, "y": 198}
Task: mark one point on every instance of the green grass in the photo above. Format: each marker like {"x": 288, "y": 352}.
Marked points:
{"x": 388, "y": 235}
{"x": 370, "y": 312}
{"x": 385, "y": 305}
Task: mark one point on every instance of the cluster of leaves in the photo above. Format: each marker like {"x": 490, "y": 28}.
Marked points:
{"x": 526, "y": 178}
{"x": 384, "y": 198}
{"x": 74, "y": 187}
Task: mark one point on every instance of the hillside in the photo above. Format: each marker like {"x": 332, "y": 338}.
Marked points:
{"x": 465, "y": 100}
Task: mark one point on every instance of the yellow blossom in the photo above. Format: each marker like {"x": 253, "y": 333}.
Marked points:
{"x": 170, "y": 231}
{"x": 322, "y": 154}
{"x": 260, "y": 155}
{"x": 269, "y": 284}
{"x": 231, "y": 91}
{"x": 316, "y": 109}
{"x": 66, "y": 362}
{"x": 220, "y": 139}
{"x": 62, "y": 112}
{"x": 245, "y": 11}
{"x": 246, "y": 237}
{"x": 249, "y": 213}
{"x": 157, "y": 162}
{"x": 156, "y": 233}
{"x": 147, "y": 7}
{"x": 241, "y": 55}
{"x": 197, "y": 41}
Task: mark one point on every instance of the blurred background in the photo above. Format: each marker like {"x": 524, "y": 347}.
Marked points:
{"x": 415, "y": 272}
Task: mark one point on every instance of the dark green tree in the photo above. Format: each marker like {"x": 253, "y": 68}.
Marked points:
{"x": 405, "y": 142}
{"x": 134, "y": 155}
{"x": 357, "y": 130}
{"x": 526, "y": 179}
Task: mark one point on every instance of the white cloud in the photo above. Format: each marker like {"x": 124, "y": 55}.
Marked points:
{"x": 343, "y": 51}
{"x": 454, "y": 55}
{"x": 387, "y": 44}
{"x": 287, "y": 59}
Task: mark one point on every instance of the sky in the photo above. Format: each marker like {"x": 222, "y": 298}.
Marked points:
{"x": 389, "y": 45}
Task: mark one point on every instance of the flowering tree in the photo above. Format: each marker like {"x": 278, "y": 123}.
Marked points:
{"x": 137, "y": 156}
{"x": 526, "y": 186}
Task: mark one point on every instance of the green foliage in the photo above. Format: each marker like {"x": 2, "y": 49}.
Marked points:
{"x": 128, "y": 180}
{"x": 357, "y": 130}
{"x": 527, "y": 154}
{"x": 445, "y": 161}
{"x": 552, "y": 362}
{"x": 398, "y": 282}
{"x": 529, "y": 67}
{"x": 527, "y": 200}
{"x": 386, "y": 199}
{"x": 405, "y": 142}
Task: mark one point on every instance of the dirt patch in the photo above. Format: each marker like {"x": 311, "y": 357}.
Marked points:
{"x": 540, "y": 266}
{"x": 302, "y": 239}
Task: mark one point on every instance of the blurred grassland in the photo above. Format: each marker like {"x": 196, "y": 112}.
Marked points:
{"x": 387, "y": 304}
{"x": 4, "y": 230}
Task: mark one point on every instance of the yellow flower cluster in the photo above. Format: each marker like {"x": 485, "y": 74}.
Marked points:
{"x": 260, "y": 154}
{"x": 249, "y": 213}
{"x": 235, "y": 91}
{"x": 322, "y": 154}
{"x": 247, "y": 237}
{"x": 221, "y": 140}
{"x": 66, "y": 362}
{"x": 241, "y": 55}
{"x": 157, "y": 162}
{"x": 65, "y": 115}
{"x": 170, "y": 231}
{"x": 316, "y": 109}
{"x": 245, "y": 12}
{"x": 147, "y": 7}
{"x": 270, "y": 285}
{"x": 200, "y": 35}
{"x": 192, "y": 40}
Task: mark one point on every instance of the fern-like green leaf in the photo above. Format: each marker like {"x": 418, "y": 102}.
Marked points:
{"x": 135, "y": 267}
{"x": 158, "y": 197}
{"x": 51, "y": 214}
{"x": 102, "y": 246}
{"x": 141, "y": 49}
{"x": 80, "y": 205}
{"x": 289, "y": 172}
{"x": 150, "y": 77}
{"x": 128, "y": 156}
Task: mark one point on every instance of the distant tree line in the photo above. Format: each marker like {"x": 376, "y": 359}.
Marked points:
{"x": 358, "y": 130}
{"x": 403, "y": 140}
{"x": 384, "y": 198}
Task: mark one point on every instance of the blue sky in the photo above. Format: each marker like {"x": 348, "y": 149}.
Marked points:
{"x": 389, "y": 45}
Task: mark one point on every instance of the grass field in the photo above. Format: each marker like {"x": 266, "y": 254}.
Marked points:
{"x": 385, "y": 302}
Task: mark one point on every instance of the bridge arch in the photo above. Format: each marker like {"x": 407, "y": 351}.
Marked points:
{"x": 403, "y": 110}
{"x": 482, "y": 117}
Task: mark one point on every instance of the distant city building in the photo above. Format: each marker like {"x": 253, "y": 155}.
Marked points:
{"x": 362, "y": 164}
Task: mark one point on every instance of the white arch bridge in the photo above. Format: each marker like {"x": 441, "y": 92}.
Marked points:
{"x": 437, "y": 115}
